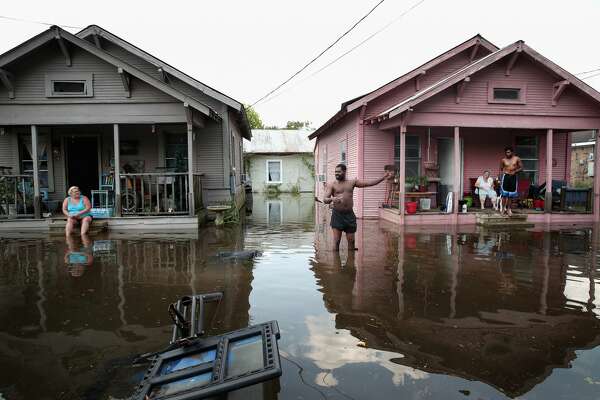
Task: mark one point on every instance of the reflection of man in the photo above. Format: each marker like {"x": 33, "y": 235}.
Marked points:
{"x": 339, "y": 194}
{"x": 510, "y": 166}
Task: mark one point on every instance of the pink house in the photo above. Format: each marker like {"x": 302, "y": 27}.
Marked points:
{"x": 457, "y": 112}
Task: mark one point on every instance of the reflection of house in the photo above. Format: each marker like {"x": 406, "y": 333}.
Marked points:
{"x": 90, "y": 101}
{"x": 65, "y": 332}
{"x": 279, "y": 159}
{"x": 582, "y": 158}
{"x": 451, "y": 118}
{"x": 283, "y": 209}
{"x": 505, "y": 309}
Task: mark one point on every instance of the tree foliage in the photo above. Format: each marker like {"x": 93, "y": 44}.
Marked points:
{"x": 253, "y": 118}
{"x": 297, "y": 124}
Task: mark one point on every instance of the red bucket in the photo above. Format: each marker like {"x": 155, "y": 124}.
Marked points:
{"x": 411, "y": 207}
{"x": 538, "y": 203}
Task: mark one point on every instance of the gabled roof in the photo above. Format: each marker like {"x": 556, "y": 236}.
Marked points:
{"x": 56, "y": 32}
{"x": 477, "y": 66}
{"x": 103, "y": 33}
{"x": 353, "y": 104}
{"x": 280, "y": 141}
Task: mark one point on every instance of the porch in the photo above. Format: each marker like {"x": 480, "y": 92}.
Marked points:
{"x": 425, "y": 175}
{"x": 157, "y": 176}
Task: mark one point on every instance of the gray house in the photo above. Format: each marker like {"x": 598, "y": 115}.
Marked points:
{"x": 280, "y": 160}
{"x": 139, "y": 136}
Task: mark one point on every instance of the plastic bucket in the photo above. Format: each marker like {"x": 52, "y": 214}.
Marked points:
{"x": 411, "y": 207}
{"x": 425, "y": 204}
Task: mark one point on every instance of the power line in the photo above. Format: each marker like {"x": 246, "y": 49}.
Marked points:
{"x": 587, "y": 72}
{"x": 38, "y": 22}
{"x": 353, "y": 48}
{"x": 321, "y": 53}
{"x": 592, "y": 76}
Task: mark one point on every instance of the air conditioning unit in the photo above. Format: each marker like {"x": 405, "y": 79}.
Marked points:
{"x": 321, "y": 177}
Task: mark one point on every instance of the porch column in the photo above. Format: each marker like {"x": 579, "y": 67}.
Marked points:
{"x": 457, "y": 177}
{"x": 548, "y": 199}
{"x": 190, "y": 149}
{"x": 402, "y": 184}
{"x": 36, "y": 173}
{"x": 117, "y": 176}
{"x": 597, "y": 176}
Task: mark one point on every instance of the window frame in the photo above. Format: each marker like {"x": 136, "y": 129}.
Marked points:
{"x": 343, "y": 152}
{"x": 522, "y": 86}
{"x": 86, "y": 78}
{"x": 168, "y": 146}
{"x": 536, "y": 171}
{"x": 408, "y": 159}
{"x": 280, "y": 172}
{"x": 42, "y": 138}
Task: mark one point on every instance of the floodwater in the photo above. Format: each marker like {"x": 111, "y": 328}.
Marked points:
{"x": 444, "y": 314}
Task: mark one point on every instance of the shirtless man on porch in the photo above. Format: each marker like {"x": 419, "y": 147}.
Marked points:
{"x": 510, "y": 166}
{"x": 339, "y": 194}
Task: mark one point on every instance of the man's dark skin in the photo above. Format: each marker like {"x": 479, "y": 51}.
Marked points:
{"x": 511, "y": 165}
{"x": 339, "y": 193}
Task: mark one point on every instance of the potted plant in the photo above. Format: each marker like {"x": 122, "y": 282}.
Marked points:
{"x": 409, "y": 184}
{"x": 423, "y": 183}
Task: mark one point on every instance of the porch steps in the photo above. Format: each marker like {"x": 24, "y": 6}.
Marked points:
{"x": 501, "y": 221}
{"x": 56, "y": 226}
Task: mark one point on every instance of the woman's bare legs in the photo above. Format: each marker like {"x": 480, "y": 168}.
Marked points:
{"x": 70, "y": 226}
{"x": 85, "y": 225}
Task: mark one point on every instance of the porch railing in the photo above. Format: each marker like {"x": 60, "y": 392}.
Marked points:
{"x": 157, "y": 193}
{"x": 16, "y": 196}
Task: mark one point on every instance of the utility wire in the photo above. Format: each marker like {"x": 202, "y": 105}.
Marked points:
{"x": 353, "y": 48}
{"x": 320, "y": 54}
{"x": 587, "y": 72}
{"x": 38, "y": 22}
{"x": 592, "y": 76}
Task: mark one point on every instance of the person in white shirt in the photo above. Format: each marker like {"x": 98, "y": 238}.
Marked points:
{"x": 485, "y": 188}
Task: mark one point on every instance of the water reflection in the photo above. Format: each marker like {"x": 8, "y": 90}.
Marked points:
{"x": 504, "y": 308}
{"x": 283, "y": 209}
{"x": 76, "y": 321}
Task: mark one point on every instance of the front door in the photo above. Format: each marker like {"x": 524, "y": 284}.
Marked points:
{"x": 82, "y": 163}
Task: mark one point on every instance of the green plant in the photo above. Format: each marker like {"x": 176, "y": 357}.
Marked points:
{"x": 272, "y": 190}
{"x": 309, "y": 163}
{"x": 423, "y": 180}
{"x": 295, "y": 190}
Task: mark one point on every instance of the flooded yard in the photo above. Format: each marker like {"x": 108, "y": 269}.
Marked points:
{"x": 447, "y": 314}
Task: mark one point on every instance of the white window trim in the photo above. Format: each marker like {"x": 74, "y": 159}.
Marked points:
{"x": 87, "y": 78}
{"x": 280, "y": 171}
{"x": 269, "y": 202}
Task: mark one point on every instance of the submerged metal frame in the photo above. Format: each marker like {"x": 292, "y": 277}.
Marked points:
{"x": 219, "y": 382}
{"x": 188, "y": 315}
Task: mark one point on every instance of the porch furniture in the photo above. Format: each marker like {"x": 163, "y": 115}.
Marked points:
{"x": 571, "y": 198}
{"x": 220, "y": 212}
{"x": 475, "y": 192}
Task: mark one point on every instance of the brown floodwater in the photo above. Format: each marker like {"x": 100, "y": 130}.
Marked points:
{"x": 429, "y": 314}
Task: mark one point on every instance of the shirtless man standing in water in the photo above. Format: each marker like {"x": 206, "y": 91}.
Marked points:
{"x": 339, "y": 193}
{"x": 510, "y": 166}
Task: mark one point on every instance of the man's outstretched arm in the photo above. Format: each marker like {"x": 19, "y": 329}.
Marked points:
{"x": 359, "y": 183}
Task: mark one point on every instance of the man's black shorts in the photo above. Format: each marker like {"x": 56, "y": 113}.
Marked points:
{"x": 343, "y": 221}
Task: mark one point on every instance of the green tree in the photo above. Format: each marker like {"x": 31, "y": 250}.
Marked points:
{"x": 297, "y": 124}
{"x": 253, "y": 118}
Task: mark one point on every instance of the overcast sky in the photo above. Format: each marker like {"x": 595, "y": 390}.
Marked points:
{"x": 246, "y": 48}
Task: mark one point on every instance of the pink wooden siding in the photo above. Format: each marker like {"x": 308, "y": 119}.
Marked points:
{"x": 539, "y": 83}
{"x": 379, "y": 151}
{"x": 345, "y": 130}
{"x": 560, "y": 154}
{"x": 407, "y": 89}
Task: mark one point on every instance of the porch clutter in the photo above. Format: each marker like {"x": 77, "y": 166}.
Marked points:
{"x": 219, "y": 210}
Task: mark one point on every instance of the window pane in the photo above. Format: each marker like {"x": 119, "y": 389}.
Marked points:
{"x": 412, "y": 168}
{"x": 530, "y": 165}
{"x": 68, "y": 87}
{"x": 27, "y": 166}
{"x": 274, "y": 210}
{"x": 412, "y": 152}
{"x": 44, "y": 179}
{"x": 526, "y": 151}
{"x": 526, "y": 140}
{"x": 530, "y": 175}
{"x": 274, "y": 171}
{"x": 412, "y": 141}
{"x": 506, "y": 94}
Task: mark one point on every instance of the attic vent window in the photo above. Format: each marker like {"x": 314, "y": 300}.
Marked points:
{"x": 507, "y": 92}
{"x": 69, "y": 85}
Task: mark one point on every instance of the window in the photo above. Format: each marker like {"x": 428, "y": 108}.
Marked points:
{"x": 413, "y": 155}
{"x": 176, "y": 152}
{"x": 69, "y": 85}
{"x": 274, "y": 171}
{"x": 44, "y": 160}
{"x": 507, "y": 92}
{"x": 274, "y": 212}
{"x": 343, "y": 147}
{"x": 526, "y": 147}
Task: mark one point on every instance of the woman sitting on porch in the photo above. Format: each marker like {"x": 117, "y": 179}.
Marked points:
{"x": 76, "y": 208}
{"x": 485, "y": 188}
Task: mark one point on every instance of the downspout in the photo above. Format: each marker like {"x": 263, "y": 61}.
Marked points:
{"x": 360, "y": 164}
